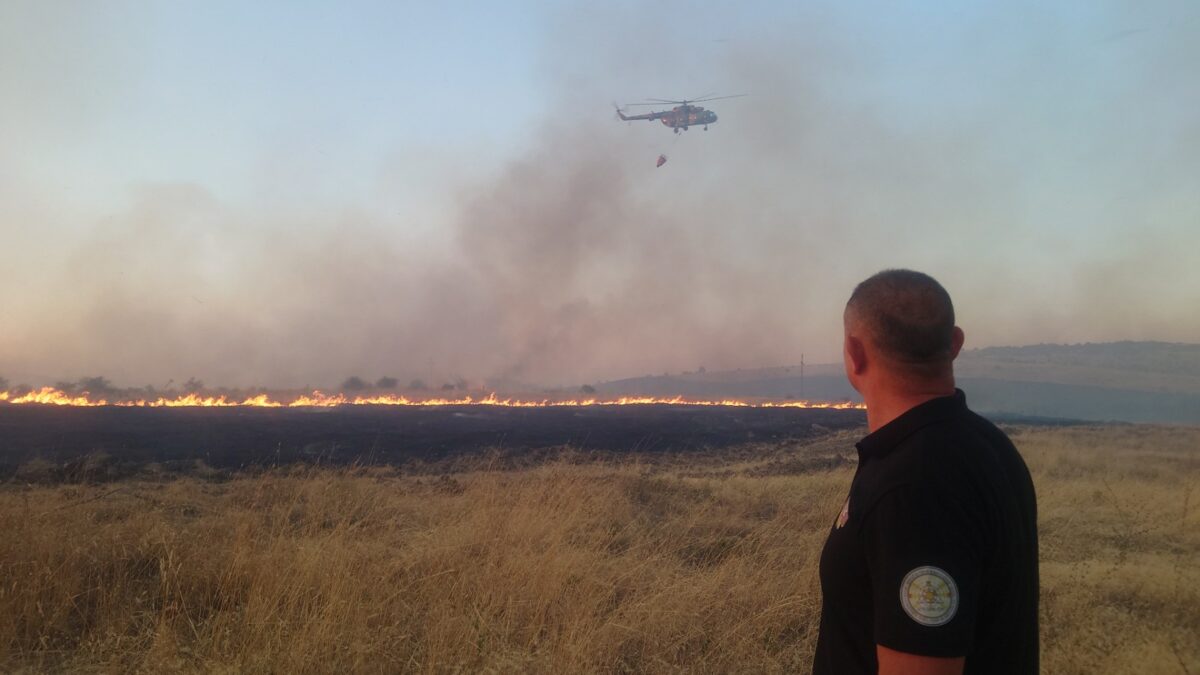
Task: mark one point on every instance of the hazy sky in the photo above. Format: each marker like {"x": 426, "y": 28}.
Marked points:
{"x": 286, "y": 193}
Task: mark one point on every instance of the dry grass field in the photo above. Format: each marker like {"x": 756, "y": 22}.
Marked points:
{"x": 579, "y": 564}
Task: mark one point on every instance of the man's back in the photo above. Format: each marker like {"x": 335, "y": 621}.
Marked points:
{"x": 1012, "y": 587}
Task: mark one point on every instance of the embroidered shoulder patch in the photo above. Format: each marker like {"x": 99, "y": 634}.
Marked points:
{"x": 929, "y": 596}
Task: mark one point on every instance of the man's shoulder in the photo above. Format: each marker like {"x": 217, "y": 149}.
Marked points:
{"x": 961, "y": 436}
{"x": 966, "y": 443}
{"x": 952, "y": 456}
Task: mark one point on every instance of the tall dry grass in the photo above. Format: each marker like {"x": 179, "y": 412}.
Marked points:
{"x": 701, "y": 564}
{"x": 1120, "y": 547}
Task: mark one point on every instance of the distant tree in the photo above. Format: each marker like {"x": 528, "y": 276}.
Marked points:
{"x": 354, "y": 383}
{"x": 418, "y": 384}
{"x": 588, "y": 389}
{"x": 193, "y": 385}
{"x": 449, "y": 386}
{"x": 702, "y": 370}
{"x": 386, "y": 382}
{"x": 3, "y": 384}
{"x": 96, "y": 385}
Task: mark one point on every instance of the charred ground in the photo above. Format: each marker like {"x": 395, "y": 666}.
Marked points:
{"x": 110, "y": 442}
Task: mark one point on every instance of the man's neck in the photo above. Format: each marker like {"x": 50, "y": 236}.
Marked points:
{"x": 886, "y": 403}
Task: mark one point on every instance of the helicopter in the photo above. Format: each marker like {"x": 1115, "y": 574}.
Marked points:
{"x": 682, "y": 116}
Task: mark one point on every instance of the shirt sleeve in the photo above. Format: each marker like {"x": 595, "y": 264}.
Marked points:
{"x": 925, "y": 560}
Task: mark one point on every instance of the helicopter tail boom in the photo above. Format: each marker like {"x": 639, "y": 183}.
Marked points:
{"x": 647, "y": 116}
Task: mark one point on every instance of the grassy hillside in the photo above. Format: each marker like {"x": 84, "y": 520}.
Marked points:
{"x": 704, "y": 564}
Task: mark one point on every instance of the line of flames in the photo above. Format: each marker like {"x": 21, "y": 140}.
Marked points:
{"x": 53, "y": 396}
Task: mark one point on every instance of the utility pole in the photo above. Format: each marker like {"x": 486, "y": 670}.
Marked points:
{"x": 802, "y": 377}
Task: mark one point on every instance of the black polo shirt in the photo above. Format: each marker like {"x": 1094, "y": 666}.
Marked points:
{"x": 935, "y": 550}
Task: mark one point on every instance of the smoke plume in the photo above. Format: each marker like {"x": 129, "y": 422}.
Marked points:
{"x": 574, "y": 259}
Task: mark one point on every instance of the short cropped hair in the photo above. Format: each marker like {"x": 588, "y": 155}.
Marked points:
{"x": 908, "y": 315}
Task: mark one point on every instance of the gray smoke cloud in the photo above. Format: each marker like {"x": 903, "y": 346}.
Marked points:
{"x": 576, "y": 259}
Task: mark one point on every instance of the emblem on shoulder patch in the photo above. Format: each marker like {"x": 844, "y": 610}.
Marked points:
{"x": 929, "y": 596}
{"x": 844, "y": 515}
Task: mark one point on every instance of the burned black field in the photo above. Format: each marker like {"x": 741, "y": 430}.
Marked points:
{"x": 235, "y": 438}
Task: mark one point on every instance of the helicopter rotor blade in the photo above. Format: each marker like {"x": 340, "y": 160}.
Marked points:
{"x": 716, "y": 98}
{"x": 698, "y": 99}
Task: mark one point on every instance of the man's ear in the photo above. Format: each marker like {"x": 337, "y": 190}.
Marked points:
{"x": 956, "y": 342}
{"x": 856, "y": 353}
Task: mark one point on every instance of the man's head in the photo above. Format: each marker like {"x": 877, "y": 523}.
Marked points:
{"x": 900, "y": 329}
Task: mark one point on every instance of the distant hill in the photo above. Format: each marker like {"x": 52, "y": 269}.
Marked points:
{"x": 1118, "y": 381}
{"x": 1140, "y": 366}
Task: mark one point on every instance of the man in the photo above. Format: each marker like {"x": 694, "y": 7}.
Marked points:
{"x": 931, "y": 566}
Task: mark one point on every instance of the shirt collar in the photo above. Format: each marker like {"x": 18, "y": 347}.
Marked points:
{"x": 883, "y": 439}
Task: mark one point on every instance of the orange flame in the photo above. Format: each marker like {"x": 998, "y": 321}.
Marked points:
{"x": 52, "y": 396}
{"x": 317, "y": 399}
